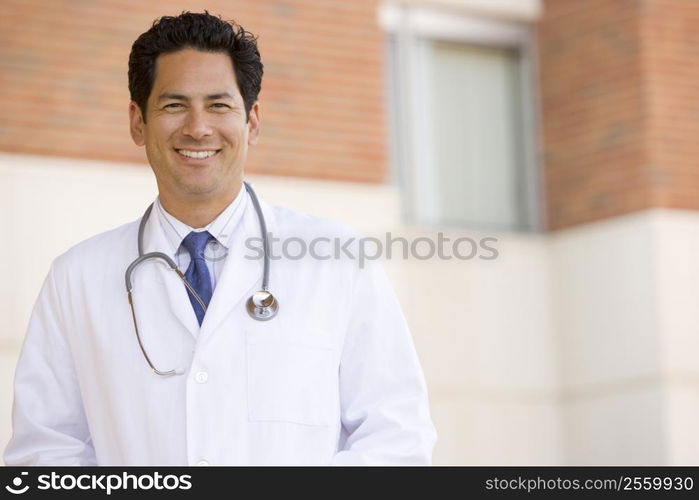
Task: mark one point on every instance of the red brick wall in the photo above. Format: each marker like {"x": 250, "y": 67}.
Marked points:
{"x": 592, "y": 97}
{"x": 63, "y": 81}
{"x": 620, "y": 107}
{"x": 670, "y": 35}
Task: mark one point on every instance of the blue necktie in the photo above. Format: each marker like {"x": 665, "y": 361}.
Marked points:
{"x": 197, "y": 273}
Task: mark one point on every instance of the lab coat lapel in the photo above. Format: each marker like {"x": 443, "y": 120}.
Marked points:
{"x": 240, "y": 276}
{"x": 154, "y": 240}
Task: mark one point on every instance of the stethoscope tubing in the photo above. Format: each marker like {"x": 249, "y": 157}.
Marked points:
{"x": 265, "y": 240}
{"x": 255, "y": 310}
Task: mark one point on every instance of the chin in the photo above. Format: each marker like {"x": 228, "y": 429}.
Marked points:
{"x": 200, "y": 185}
{"x": 200, "y": 190}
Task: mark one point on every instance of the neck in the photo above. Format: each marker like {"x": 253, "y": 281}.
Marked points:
{"x": 194, "y": 212}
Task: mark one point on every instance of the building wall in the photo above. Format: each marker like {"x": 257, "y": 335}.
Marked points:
{"x": 669, "y": 34}
{"x": 64, "y": 81}
{"x": 618, "y": 91}
{"x": 620, "y": 121}
{"x": 593, "y": 105}
{"x": 626, "y": 323}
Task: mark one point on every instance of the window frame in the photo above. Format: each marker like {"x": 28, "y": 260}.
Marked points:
{"x": 409, "y": 27}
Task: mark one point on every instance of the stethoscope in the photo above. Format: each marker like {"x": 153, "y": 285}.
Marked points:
{"x": 261, "y": 305}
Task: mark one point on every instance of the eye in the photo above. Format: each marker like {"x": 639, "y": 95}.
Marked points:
{"x": 173, "y": 105}
{"x": 220, "y": 105}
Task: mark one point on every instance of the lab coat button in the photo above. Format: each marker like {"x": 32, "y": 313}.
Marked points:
{"x": 202, "y": 462}
{"x": 201, "y": 377}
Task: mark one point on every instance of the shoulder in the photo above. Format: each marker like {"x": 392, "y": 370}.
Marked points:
{"x": 290, "y": 222}
{"x": 327, "y": 244}
{"x": 104, "y": 248}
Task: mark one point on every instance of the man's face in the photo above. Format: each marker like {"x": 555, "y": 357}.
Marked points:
{"x": 197, "y": 135}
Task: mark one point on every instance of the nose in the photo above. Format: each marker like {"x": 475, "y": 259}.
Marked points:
{"x": 196, "y": 125}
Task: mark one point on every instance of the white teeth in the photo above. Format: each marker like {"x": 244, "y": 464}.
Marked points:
{"x": 196, "y": 154}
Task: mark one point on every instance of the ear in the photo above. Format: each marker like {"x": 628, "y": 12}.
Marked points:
{"x": 254, "y": 124}
{"x": 137, "y": 124}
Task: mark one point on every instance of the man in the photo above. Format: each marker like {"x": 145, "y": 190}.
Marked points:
{"x": 185, "y": 374}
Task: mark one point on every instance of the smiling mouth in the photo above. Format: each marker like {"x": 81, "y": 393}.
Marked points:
{"x": 197, "y": 155}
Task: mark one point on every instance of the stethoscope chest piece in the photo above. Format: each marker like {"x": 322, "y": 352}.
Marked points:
{"x": 262, "y": 306}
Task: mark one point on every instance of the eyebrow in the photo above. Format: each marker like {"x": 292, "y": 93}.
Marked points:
{"x": 182, "y": 97}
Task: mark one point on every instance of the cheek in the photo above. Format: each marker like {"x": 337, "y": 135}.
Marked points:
{"x": 162, "y": 129}
{"x": 239, "y": 137}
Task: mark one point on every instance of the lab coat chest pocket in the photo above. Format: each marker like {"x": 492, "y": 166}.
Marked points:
{"x": 292, "y": 377}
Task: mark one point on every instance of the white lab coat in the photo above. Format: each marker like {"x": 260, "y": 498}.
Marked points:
{"x": 333, "y": 379}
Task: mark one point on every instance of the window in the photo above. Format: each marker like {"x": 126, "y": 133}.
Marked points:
{"x": 462, "y": 133}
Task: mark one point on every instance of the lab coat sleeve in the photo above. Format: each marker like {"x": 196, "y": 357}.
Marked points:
{"x": 383, "y": 395}
{"x": 49, "y": 424}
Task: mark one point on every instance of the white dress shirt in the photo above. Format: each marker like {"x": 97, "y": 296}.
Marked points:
{"x": 221, "y": 228}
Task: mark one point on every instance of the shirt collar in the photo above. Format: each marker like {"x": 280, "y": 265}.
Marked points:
{"x": 221, "y": 228}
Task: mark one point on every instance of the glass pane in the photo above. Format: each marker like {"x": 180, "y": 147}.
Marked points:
{"x": 475, "y": 132}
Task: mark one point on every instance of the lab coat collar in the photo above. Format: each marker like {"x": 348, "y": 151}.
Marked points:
{"x": 239, "y": 277}
{"x": 155, "y": 240}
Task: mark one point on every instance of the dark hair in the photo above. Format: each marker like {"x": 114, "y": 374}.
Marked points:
{"x": 201, "y": 32}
